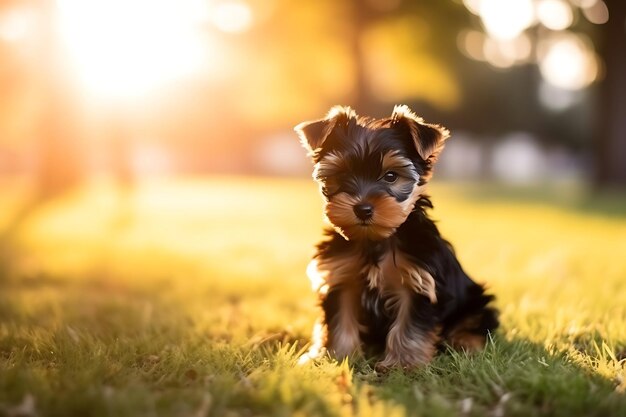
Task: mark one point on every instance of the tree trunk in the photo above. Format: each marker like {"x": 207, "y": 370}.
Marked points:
{"x": 610, "y": 158}
{"x": 361, "y": 96}
{"x": 59, "y": 155}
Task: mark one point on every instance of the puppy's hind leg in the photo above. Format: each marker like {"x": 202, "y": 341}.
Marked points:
{"x": 413, "y": 336}
{"x": 470, "y": 332}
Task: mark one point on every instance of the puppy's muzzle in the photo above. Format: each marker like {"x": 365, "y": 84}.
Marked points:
{"x": 364, "y": 211}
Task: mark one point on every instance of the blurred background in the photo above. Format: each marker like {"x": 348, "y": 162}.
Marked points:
{"x": 534, "y": 91}
{"x": 155, "y": 201}
{"x": 132, "y": 131}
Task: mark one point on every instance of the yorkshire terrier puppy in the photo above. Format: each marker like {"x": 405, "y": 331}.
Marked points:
{"x": 389, "y": 284}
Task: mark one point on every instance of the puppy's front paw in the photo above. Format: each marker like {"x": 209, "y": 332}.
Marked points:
{"x": 388, "y": 364}
{"x": 341, "y": 352}
{"x": 406, "y": 362}
{"x": 313, "y": 354}
{"x": 317, "y": 349}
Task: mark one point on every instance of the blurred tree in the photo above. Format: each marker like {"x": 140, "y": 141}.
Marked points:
{"x": 557, "y": 33}
{"x": 367, "y": 53}
{"x": 610, "y": 138}
{"x": 362, "y": 17}
{"x": 401, "y": 54}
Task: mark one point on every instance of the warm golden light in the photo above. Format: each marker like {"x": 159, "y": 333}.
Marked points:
{"x": 124, "y": 49}
{"x": 15, "y": 25}
{"x": 406, "y": 75}
{"x": 232, "y": 16}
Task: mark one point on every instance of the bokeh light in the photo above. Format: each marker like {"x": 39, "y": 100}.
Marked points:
{"x": 555, "y": 14}
{"x": 506, "y": 19}
{"x": 537, "y": 31}
{"x": 557, "y": 99}
{"x": 504, "y": 53}
{"x": 470, "y": 43}
{"x": 596, "y": 12}
{"x": 568, "y": 62}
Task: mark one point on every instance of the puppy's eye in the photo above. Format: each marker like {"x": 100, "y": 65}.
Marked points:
{"x": 390, "y": 177}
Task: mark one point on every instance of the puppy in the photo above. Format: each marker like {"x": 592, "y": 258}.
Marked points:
{"x": 388, "y": 283}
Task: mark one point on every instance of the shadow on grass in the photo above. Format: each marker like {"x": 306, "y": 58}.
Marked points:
{"x": 511, "y": 377}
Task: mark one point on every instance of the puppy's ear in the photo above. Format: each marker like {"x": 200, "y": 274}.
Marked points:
{"x": 313, "y": 134}
{"x": 428, "y": 139}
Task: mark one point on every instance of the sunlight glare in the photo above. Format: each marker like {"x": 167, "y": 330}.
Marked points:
{"x": 232, "y": 16}
{"x": 506, "y": 19}
{"x": 15, "y": 24}
{"x": 125, "y": 49}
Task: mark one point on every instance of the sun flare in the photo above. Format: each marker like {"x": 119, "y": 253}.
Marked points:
{"x": 124, "y": 49}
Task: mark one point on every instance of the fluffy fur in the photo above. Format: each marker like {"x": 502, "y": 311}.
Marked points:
{"x": 388, "y": 283}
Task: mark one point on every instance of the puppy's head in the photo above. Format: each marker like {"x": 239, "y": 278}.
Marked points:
{"x": 371, "y": 171}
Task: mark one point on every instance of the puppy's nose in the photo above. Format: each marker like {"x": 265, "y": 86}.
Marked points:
{"x": 364, "y": 211}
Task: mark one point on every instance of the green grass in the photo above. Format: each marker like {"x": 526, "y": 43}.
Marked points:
{"x": 189, "y": 298}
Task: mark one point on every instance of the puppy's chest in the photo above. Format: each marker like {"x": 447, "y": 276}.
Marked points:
{"x": 387, "y": 275}
{"x": 391, "y": 273}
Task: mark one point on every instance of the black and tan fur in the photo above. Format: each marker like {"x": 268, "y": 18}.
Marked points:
{"x": 388, "y": 283}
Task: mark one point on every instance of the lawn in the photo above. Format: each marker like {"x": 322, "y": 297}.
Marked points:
{"x": 189, "y": 298}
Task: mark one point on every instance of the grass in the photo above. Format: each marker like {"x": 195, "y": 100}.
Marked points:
{"x": 188, "y": 298}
